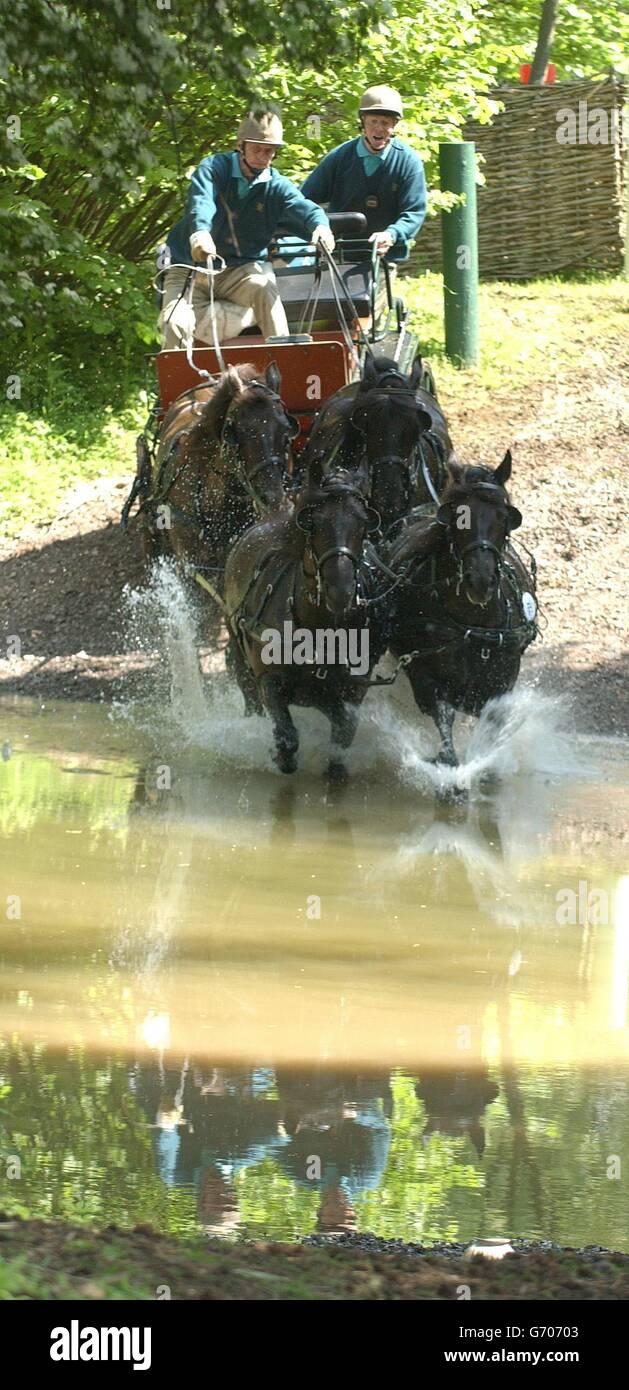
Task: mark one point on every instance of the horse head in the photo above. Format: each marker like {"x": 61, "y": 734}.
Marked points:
{"x": 256, "y": 432}
{"x": 391, "y": 423}
{"x": 336, "y": 517}
{"x": 478, "y": 516}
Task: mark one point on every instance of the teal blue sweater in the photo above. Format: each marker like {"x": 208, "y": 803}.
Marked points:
{"x": 393, "y": 198}
{"x": 241, "y": 227}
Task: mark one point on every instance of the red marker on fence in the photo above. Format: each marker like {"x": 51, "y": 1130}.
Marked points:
{"x": 549, "y": 75}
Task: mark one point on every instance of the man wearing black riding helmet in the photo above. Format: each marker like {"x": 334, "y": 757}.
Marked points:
{"x": 376, "y": 174}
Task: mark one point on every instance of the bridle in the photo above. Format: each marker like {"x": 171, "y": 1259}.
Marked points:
{"x": 229, "y": 447}
{"x": 456, "y": 498}
{"x": 333, "y": 487}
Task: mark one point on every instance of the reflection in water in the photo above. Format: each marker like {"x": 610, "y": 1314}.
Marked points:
{"x": 262, "y": 1006}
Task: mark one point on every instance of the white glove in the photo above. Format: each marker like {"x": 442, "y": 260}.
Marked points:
{"x": 201, "y": 246}
{"x": 384, "y": 241}
{"x": 324, "y": 236}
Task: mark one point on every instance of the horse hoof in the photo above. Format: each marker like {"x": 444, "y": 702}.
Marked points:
{"x": 286, "y": 760}
{"x": 337, "y": 773}
{"x": 452, "y": 796}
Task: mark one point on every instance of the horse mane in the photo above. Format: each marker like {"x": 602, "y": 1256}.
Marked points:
{"x": 380, "y": 402}
{"x": 377, "y": 372}
{"x": 232, "y": 382}
{"x": 339, "y": 478}
{"x": 464, "y": 477}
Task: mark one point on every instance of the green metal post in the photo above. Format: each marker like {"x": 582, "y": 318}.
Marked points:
{"x": 459, "y": 232}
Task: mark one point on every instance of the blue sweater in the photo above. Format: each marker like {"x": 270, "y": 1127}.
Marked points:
{"x": 241, "y": 227}
{"x": 393, "y": 198}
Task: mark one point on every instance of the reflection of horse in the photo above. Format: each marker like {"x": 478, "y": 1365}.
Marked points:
{"x": 222, "y": 458}
{"x": 455, "y": 570}
{"x": 455, "y": 1103}
{"x": 394, "y": 425}
{"x": 302, "y": 572}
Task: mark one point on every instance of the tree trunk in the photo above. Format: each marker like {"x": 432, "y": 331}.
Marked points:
{"x": 545, "y": 37}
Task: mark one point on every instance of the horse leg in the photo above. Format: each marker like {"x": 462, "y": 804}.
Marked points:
{"x": 244, "y": 677}
{"x": 274, "y": 692}
{"x": 443, "y": 716}
{"x": 442, "y": 712}
{"x": 343, "y": 724}
{"x": 149, "y": 541}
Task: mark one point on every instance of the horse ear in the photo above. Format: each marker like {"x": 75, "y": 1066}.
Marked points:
{"x": 359, "y": 418}
{"x": 234, "y": 380}
{"x": 370, "y": 374}
{"x": 503, "y": 472}
{"x": 273, "y": 377}
{"x": 417, "y": 373}
{"x": 228, "y": 434}
{"x": 314, "y": 471}
{"x": 424, "y": 421}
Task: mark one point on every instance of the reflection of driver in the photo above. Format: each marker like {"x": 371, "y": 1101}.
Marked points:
{"x": 339, "y": 1138}
{"x": 222, "y": 1117}
{"x": 377, "y": 175}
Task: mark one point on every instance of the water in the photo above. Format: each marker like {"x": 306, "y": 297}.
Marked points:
{"x": 260, "y": 1005}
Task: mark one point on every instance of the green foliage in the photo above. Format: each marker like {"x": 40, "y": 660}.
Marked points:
{"x": 77, "y": 418}
{"x": 84, "y": 1146}
{"x": 272, "y": 1205}
{"x": 591, "y": 36}
{"x": 109, "y": 105}
{"x": 431, "y": 1192}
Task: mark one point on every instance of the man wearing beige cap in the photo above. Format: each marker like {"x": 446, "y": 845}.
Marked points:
{"x": 236, "y": 202}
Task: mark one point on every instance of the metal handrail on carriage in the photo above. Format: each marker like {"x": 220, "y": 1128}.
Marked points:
{"x": 352, "y": 249}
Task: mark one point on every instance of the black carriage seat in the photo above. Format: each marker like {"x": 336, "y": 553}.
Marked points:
{"x": 296, "y": 286}
{"x": 353, "y": 256}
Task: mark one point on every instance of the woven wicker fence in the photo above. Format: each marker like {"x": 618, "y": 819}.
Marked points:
{"x": 546, "y": 206}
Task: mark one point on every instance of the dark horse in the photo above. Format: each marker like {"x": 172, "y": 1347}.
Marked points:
{"x": 465, "y": 607}
{"x": 396, "y": 426}
{"x": 222, "y": 459}
{"x": 301, "y": 573}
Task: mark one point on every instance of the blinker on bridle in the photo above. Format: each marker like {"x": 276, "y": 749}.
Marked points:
{"x": 513, "y": 516}
{"x": 339, "y": 490}
{"x": 272, "y": 461}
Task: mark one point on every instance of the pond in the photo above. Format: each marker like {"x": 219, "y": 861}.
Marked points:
{"x": 258, "y": 1005}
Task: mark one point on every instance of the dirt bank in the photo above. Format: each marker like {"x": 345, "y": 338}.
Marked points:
{"x": 49, "y": 1260}
{"x": 62, "y": 584}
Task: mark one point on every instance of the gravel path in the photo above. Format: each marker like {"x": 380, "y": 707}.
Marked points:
{"x": 61, "y": 589}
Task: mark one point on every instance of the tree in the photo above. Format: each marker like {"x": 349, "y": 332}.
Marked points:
{"x": 548, "y": 20}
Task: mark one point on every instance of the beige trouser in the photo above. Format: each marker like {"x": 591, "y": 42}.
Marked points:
{"x": 243, "y": 295}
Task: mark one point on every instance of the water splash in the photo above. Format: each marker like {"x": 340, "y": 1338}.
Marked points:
{"x": 522, "y": 733}
{"x": 162, "y": 623}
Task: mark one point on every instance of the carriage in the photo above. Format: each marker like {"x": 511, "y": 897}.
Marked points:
{"x": 337, "y": 311}
{"x": 379, "y": 458}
